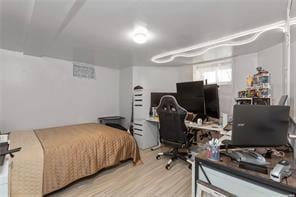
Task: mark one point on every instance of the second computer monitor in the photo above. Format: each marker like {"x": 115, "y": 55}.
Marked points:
{"x": 212, "y": 100}
{"x": 190, "y": 95}
{"x": 194, "y": 105}
{"x": 259, "y": 125}
{"x": 192, "y": 89}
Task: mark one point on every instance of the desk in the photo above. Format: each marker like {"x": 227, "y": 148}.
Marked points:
{"x": 154, "y": 121}
{"x": 104, "y": 119}
{"x": 209, "y": 126}
{"x": 227, "y": 175}
{"x": 206, "y": 126}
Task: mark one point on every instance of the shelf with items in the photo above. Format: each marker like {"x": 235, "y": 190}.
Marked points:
{"x": 253, "y": 101}
{"x": 258, "y": 90}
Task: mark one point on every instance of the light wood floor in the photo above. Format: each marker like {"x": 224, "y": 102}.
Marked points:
{"x": 150, "y": 179}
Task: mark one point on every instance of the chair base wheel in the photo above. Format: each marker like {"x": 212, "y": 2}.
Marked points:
{"x": 190, "y": 166}
{"x": 158, "y": 157}
{"x": 168, "y": 166}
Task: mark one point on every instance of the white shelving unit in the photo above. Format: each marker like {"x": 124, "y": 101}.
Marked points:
{"x": 145, "y": 132}
{"x": 4, "y": 178}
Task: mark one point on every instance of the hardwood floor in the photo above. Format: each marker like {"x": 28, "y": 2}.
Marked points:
{"x": 150, "y": 179}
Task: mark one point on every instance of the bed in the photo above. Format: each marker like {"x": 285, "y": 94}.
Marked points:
{"x": 53, "y": 158}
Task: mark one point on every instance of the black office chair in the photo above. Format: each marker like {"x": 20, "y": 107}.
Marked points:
{"x": 173, "y": 131}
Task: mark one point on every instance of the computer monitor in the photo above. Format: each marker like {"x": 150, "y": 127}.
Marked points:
{"x": 194, "y": 105}
{"x": 190, "y": 95}
{"x": 212, "y": 100}
{"x": 156, "y": 96}
{"x": 193, "y": 89}
{"x": 260, "y": 126}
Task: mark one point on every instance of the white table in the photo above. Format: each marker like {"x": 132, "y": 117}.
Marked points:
{"x": 209, "y": 126}
{"x": 4, "y": 178}
{"x": 155, "y": 121}
{"x": 206, "y": 126}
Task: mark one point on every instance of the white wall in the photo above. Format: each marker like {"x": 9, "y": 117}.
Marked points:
{"x": 226, "y": 98}
{"x": 271, "y": 59}
{"x": 42, "y": 92}
{"x": 1, "y": 93}
{"x": 155, "y": 79}
{"x": 161, "y": 79}
{"x": 126, "y": 92}
{"x": 164, "y": 79}
{"x": 293, "y": 79}
{"x": 242, "y": 67}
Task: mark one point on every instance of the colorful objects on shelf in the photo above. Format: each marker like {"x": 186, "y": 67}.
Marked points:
{"x": 258, "y": 85}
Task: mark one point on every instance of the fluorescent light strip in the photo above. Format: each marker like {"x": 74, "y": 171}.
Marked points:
{"x": 238, "y": 43}
{"x": 185, "y": 52}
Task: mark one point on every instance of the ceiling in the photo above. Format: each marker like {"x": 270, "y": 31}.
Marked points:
{"x": 96, "y": 31}
{"x": 265, "y": 41}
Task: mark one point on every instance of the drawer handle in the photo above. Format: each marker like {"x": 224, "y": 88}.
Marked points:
{"x": 138, "y": 94}
{"x": 138, "y": 124}
{"x": 138, "y": 129}
{"x": 138, "y": 99}
{"x": 138, "y": 105}
{"x": 138, "y": 134}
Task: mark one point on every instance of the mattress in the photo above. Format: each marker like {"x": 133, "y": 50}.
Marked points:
{"x": 66, "y": 154}
{"x": 26, "y": 168}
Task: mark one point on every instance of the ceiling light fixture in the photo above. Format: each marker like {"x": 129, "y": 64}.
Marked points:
{"x": 225, "y": 41}
{"x": 140, "y": 35}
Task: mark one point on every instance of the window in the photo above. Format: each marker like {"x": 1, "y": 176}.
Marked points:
{"x": 214, "y": 72}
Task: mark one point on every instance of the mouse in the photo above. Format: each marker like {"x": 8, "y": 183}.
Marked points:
{"x": 253, "y": 157}
{"x": 235, "y": 155}
{"x": 253, "y": 154}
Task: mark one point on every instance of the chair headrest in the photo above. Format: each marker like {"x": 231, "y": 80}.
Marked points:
{"x": 169, "y": 103}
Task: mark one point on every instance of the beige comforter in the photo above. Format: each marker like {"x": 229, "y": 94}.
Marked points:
{"x": 26, "y": 168}
{"x": 73, "y": 152}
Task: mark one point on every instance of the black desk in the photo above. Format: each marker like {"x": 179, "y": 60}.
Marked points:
{"x": 228, "y": 167}
{"x": 105, "y": 119}
{"x": 112, "y": 121}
